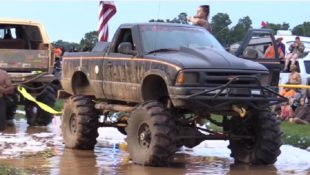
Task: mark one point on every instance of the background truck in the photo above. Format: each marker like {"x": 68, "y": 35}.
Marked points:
{"x": 253, "y": 47}
{"x": 165, "y": 81}
{"x": 26, "y": 54}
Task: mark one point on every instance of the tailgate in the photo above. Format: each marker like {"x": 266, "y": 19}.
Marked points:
{"x": 24, "y": 60}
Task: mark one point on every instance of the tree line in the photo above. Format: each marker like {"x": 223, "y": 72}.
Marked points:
{"x": 220, "y": 24}
{"x": 228, "y": 35}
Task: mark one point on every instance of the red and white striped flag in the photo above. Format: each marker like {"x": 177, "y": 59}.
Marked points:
{"x": 106, "y": 10}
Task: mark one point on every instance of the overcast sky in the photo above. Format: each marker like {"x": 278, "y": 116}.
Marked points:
{"x": 69, "y": 20}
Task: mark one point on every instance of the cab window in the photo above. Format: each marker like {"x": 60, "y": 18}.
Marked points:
{"x": 124, "y": 36}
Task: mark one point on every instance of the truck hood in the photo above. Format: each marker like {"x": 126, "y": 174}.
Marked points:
{"x": 207, "y": 58}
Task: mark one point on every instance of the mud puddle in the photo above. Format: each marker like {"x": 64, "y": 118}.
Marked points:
{"x": 40, "y": 151}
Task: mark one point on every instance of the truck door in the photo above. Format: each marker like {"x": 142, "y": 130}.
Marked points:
{"x": 253, "y": 47}
{"x": 117, "y": 84}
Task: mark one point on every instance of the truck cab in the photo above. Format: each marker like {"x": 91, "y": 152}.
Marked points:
{"x": 26, "y": 55}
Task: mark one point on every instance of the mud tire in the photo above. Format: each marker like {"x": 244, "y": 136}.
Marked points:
{"x": 80, "y": 122}
{"x": 34, "y": 114}
{"x": 11, "y": 106}
{"x": 2, "y": 114}
{"x": 151, "y": 134}
{"x": 265, "y": 148}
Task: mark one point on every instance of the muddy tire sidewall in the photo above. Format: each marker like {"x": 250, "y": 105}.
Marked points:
{"x": 34, "y": 114}
{"x": 11, "y": 105}
{"x": 80, "y": 123}
{"x": 2, "y": 114}
{"x": 162, "y": 131}
{"x": 266, "y": 147}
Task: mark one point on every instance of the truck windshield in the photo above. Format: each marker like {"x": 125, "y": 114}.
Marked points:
{"x": 163, "y": 37}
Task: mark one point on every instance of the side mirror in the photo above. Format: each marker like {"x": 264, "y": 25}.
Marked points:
{"x": 126, "y": 48}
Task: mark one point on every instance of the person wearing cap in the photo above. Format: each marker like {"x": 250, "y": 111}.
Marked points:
{"x": 201, "y": 18}
{"x": 296, "y": 49}
{"x": 281, "y": 45}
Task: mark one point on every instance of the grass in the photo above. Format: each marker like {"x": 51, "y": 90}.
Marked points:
{"x": 296, "y": 135}
{"x": 59, "y": 105}
{"x": 6, "y": 170}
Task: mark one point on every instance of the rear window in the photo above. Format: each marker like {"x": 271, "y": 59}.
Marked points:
{"x": 20, "y": 37}
{"x": 8, "y": 33}
{"x": 25, "y": 32}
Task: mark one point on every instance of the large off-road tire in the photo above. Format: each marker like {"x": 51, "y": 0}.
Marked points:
{"x": 2, "y": 114}
{"x": 34, "y": 114}
{"x": 265, "y": 147}
{"x": 79, "y": 123}
{"x": 11, "y": 105}
{"x": 151, "y": 135}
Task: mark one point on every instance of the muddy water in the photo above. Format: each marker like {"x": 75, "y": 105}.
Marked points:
{"x": 19, "y": 147}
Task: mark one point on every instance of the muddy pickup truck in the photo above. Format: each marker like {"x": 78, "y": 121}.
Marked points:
{"x": 26, "y": 54}
{"x": 160, "y": 84}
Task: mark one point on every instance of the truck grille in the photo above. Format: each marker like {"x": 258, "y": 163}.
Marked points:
{"x": 217, "y": 79}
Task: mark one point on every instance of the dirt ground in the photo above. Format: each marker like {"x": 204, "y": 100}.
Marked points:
{"x": 40, "y": 150}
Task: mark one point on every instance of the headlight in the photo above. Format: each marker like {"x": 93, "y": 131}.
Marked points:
{"x": 187, "y": 78}
{"x": 265, "y": 80}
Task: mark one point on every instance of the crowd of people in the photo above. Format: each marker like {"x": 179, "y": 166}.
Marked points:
{"x": 297, "y": 109}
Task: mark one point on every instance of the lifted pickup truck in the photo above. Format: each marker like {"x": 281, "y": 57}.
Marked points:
{"x": 166, "y": 79}
{"x": 26, "y": 54}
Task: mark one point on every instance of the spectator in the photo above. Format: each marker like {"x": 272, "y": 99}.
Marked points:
{"x": 57, "y": 52}
{"x": 286, "y": 109}
{"x": 296, "y": 49}
{"x": 302, "y": 113}
{"x": 270, "y": 53}
{"x": 294, "y": 77}
{"x": 201, "y": 18}
{"x": 281, "y": 46}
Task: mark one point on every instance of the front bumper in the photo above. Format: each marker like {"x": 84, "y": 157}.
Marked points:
{"x": 224, "y": 96}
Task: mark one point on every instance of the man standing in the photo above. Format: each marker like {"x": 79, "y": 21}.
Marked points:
{"x": 6, "y": 87}
{"x": 281, "y": 46}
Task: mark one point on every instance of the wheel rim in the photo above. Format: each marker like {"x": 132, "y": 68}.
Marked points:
{"x": 144, "y": 136}
{"x": 73, "y": 124}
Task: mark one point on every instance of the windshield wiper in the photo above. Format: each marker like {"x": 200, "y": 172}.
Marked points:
{"x": 163, "y": 50}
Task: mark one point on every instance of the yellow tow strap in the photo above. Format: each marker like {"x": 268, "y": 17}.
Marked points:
{"x": 43, "y": 106}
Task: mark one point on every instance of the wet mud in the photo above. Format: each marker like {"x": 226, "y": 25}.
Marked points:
{"x": 39, "y": 150}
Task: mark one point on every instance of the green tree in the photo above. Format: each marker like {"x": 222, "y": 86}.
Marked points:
{"x": 89, "y": 40}
{"x": 220, "y": 29}
{"x": 240, "y": 29}
{"x": 302, "y": 29}
{"x": 276, "y": 27}
{"x": 68, "y": 46}
{"x": 180, "y": 19}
